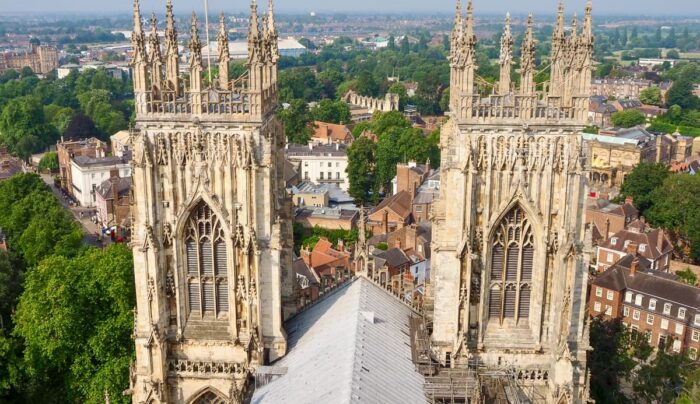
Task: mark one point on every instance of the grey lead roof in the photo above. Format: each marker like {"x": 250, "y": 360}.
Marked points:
{"x": 351, "y": 347}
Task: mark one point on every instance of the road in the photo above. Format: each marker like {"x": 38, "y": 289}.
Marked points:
{"x": 89, "y": 228}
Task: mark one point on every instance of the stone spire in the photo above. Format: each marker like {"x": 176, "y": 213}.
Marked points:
{"x": 469, "y": 36}
{"x": 172, "y": 53}
{"x": 224, "y": 56}
{"x": 463, "y": 62}
{"x": 361, "y": 255}
{"x": 457, "y": 36}
{"x": 139, "y": 58}
{"x": 270, "y": 33}
{"x": 254, "y": 39}
{"x": 558, "y": 51}
{"x": 155, "y": 57}
{"x": 585, "y": 51}
{"x": 506, "y": 59}
{"x": 195, "y": 47}
{"x": 527, "y": 61}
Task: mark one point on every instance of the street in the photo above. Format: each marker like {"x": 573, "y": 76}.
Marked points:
{"x": 89, "y": 228}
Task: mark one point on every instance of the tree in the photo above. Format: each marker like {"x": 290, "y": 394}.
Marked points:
{"x": 361, "y": 169}
{"x": 673, "y": 54}
{"x": 628, "y": 118}
{"x": 11, "y": 277}
{"x": 640, "y": 183}
{"x": 24, "y": 117}
{"x": 80, "y": 127}
{"x": 366, "y": 84}
{"x": 681, "y": 94}
{"x": 77, "y": 336}
{"x": 674, "y": 207}
{"x": 651, "y": 96}
{"x": 405, "y": 45}
{"x": 332, "y": 112}
{"x": 296, "y": 119}
{"x": 391, "y": 43}
{"x": 688, "y": 276}
{"x": 49, "y": 162}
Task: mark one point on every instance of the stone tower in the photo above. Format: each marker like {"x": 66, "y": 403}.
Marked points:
{"x": 211, "y": 224}
{"x": 510, "y": 250}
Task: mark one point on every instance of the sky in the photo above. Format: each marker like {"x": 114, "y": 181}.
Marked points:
{"x": 601, "y": 7}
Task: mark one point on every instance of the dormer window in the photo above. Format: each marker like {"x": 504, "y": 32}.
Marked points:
{"x": 642, "y": 247}
{"x": 613, "y": 240}
{"x": 627, "y": 243}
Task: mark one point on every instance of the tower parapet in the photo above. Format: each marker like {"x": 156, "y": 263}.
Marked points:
{"x": 160, "y": 90}
{"x": 561, "y": 100}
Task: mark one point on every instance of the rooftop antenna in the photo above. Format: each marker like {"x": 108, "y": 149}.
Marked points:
{"x": 206, "y": 23}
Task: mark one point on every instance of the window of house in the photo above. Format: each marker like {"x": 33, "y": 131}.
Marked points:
{"x": 599, "y": 291}
{"x": 696, "y": 336}
{"x": 642, "y": 247}
{"x": 610, "y": 295}
{"x": 596, "y": 307}
{"x": 330, "y": 175}
{"x": 330, "y": 164}
{"x": 512, "y": 257}
{"x": 610, "y": 257}
{"x": 693, "y": 353}
{"x": 613, "y": 240}
{"x": 697, "y": 319}
{"x": 628, "y": 297}
{"x": 650, "y": 319}
{"x": 679, "y": 329}
{"x": 667, "y": 308}
{"x": 337, "y": 175}
{"x": 652, "y": 304}
{"x": 306, "y": 175}
{"x": 337, "y": 164}
{"x": 676, "y": 346}
{"x": 206, "y": 262}
{"x": 638, "y": 300}
{"x": 306, "y": 164}
{"x": 681, "y": 312}
{"x": 627, "y": 243}
{"x": 419, "y": 208}
{"x": 664, "y": 324}
{"x": 626, "y": 311}
{"x": 321, "y": 175}
{"x": 608, "y": 310}
{"x": 635, "y": 314}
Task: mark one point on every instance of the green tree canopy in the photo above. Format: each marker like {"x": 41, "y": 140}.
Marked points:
{"x": 361, "y": 169}
{"x": 296, "y": 119}
{"x": 651, "y": 96}
{"x": 628, "y": 118}
{"x": 641, "y": 182}
{"x": 332, "y": 112}
{"x": 75, "y": 317}
{"x": 49, "y": 162}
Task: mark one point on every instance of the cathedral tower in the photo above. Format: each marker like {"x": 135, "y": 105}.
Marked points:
{"x": 510, "y": 251}
{"x": 211, "y": 229}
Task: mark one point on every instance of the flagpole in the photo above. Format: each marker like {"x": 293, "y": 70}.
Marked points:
{"x": 206, "y": 22}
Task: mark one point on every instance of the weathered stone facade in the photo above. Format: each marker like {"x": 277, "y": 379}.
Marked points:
{"x": 211, "y": 219}
{"x": 510, "y": 256}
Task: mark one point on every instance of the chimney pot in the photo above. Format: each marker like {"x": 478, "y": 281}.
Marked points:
{"x": 632, "y": 248}
{"x": 629, "y": 200}
{"x": 634, "y": 266}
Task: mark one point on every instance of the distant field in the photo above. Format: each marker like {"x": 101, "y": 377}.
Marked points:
{"x": 690, "y": 55}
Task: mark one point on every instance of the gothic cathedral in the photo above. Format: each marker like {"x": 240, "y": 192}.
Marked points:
{"x": 210, "y": 219}
{"x": 510, "y": 255}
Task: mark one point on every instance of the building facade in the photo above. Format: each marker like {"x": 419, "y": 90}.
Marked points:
{"x": 320, "y": 163}
{"x": 211, "y": 231}
{"x": 88, "y": 173}
{"x": 510, "y": 252}
{"x": 40, "y": 58}
{"x": 658, "y": 306}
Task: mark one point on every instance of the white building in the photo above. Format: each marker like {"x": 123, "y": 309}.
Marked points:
{"x": 239, "y": 50}
{"x": 88, "y": 173}
{"x": 322, "y": 164}
{"x": 120, "y": 143}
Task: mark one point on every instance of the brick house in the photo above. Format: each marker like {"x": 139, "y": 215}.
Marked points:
{"x": 326, "y": 133}
{"x": 391, "y": 214}
{"x": 651, "y": 245}
{"x": 332, "y": 266}
{"x": 609, "y": 218}
{"x": 308, "y": 282}
{"x": 113, "y": 201}
{"x": 654, "y": 303}
{"x": 69, "y": 149}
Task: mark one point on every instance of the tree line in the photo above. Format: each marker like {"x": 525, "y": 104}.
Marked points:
{"x": 65, "y": 308}
{"x": 35, "y": 113}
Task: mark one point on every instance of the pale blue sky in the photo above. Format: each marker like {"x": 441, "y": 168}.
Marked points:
{"x": 619, "y": 7}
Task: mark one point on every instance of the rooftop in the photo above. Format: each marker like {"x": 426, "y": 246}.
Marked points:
{"x": 352, "y": 346}
{"x": 327, "y": 150}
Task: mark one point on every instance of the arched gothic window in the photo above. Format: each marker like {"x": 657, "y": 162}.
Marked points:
{"x": 209, "y": 397}
{"x": 207, "y": 271}
{"x": 512, "y": 255}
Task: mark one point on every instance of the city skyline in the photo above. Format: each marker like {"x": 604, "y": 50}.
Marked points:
{"x": 544, "y": 7}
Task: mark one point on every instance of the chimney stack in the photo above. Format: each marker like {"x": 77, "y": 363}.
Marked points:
{"x": 607, "y": 229}
{"x": 660, "y": 241}
{"x": 634, "y": 266}
{"x": 632, "y": 249}
{"x": 629, "y": 200}
{"x": 341, "y": 245}
{"x": 386, "y": 222}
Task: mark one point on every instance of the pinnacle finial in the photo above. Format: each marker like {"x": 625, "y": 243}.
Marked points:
{"x": 137, "y": 17}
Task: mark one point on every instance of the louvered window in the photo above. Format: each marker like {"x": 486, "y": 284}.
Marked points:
{"x": 207, "y": 269}
{"x": 524, "y": 306}
{"x": 512, "y": 258}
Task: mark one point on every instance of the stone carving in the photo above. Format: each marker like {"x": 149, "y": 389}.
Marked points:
{"x": 184, "y": 366}
{"x": 170, "y": 284}
{"x": 167, "y": 235}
